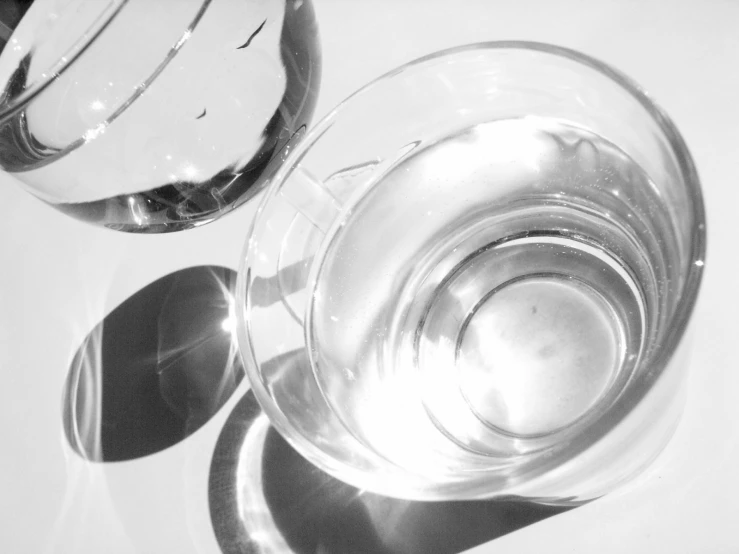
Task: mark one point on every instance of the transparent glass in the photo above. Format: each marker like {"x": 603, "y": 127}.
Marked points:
{"x": 155, "y": 116}
{"x": 474, "y": 279}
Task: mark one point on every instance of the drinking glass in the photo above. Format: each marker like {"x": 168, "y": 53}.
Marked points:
{"x": 474, "y": 279}
{"x": 154, "y": 116}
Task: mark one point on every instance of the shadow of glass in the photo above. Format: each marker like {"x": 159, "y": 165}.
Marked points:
{"x": 161, "y": 364}
{"x": 156, "y": 369}
{"x": 264, "y": 497}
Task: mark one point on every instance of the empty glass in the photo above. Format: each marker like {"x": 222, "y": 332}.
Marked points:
{"x": 155, "y": 116}
{"x": 474, "y": 279}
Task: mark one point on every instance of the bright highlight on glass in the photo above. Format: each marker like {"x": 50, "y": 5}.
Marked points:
{"x": 474, "y": 277}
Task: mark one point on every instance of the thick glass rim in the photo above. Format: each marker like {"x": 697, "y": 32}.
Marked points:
{"x": 675, "y": 328}
{"x": 65, "y": 60}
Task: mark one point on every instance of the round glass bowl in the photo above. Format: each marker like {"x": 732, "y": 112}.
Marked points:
{"x": 155, "y": 117}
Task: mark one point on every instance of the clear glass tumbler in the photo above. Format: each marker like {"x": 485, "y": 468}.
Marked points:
{"x": 155, "y": 116}
{"x": 474, "y": 279}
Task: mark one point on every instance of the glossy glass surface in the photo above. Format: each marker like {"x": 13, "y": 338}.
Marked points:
{"x": 474, "y": 277}
{"x": 155, "y": 117}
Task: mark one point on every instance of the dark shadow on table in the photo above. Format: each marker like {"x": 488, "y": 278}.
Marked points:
{"x": 265, "y": 497}
{"x": 161, "y": 364}
{"x": 156, "y": 369}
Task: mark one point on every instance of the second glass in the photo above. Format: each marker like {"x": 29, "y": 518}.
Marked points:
{"x": 155, "y": 117}
{"x": 473, "y": 279}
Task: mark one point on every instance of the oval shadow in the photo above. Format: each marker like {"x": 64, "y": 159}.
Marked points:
{"x": 156, "y": 369}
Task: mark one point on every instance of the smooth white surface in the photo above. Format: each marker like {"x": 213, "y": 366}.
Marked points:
{"x": 59, "y": 277}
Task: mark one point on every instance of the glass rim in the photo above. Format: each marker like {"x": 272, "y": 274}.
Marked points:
{"x": 65, "y": 60}
{"x": 684, "y": 304}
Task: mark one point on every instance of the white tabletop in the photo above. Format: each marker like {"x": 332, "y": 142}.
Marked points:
{"x": 60, "y": 277}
